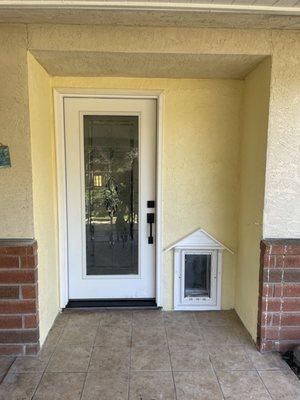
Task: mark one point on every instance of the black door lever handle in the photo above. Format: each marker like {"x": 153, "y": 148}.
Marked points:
{"x": 150, "y": 220}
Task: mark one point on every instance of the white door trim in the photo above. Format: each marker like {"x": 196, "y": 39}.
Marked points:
{"x": 59, "y": 95}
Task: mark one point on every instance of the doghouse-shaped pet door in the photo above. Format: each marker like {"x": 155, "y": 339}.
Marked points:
{"x": 197, "y": 272}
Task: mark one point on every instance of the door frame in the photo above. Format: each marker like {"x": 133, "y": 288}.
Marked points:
{"x": 59, "y": 95}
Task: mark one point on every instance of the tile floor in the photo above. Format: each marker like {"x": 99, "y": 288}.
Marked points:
{"x": 148, "y": 355}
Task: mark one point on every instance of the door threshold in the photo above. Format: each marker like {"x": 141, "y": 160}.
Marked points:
{"x": 112, "y": 303}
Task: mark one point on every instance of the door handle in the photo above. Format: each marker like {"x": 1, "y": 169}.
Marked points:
{"x": 150, "y": 220}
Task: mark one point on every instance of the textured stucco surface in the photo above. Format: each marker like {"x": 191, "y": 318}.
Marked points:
{"x": 282, "y": 199}
{"x": 200, "y": 161}
{"x": 44, "y": 191}
{"x": 282, "y": 192}
{"x": 282, "y": 209}
{"x": 149, "y": 40}
{"x": 281, "y": 217}
{"x": 251, "y": 199}
{"x": 161, "y": 65}
{"x": 16, "y": 216}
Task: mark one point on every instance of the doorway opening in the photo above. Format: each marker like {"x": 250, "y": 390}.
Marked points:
{"x": 112, "y": 199}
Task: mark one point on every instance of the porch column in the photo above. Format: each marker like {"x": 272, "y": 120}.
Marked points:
{"x": 279, "y": 302}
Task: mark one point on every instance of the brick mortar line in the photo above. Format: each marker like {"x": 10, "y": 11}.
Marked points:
{"x": 281, "y": 307}
{"x": 17, "y": 330}
{"x": 284, "y": 297}
{"x": 16, "y": 315}
{"x": 17, "y": 299}
{"x": 18, "y": 284}
{"x": 266, "y": 307}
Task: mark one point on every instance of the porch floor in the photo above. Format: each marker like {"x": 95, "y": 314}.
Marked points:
{"x": 148, "y": 355}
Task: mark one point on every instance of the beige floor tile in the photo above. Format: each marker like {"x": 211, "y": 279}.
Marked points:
{"x": 197, "y": 386}
{"x": 220, "y": 334}
{"x": 84, "y": 319}
{"x": 267, "y": 361}
{"x": 29, "y": 364}
{"x": 5, "y": 363}
{"x": 114, "y": 336}
{"x": 282, "y": 385}
{"x": 244, "y": 335}
{"x": 70, "y": 358}
{"x": 53, "y": 337}
{"x": 61, "y": 319}
{"x": 216, "y": 318}
{"x": 179, "y": 318}
{"x": 52, "y": 340}
{"x": 110, "y": 359}
{"x": 150, "y": 358}
{"x": 195, "y": 342}
{"x": 229, "y": 358}
{"x": 151, "y": 386}
{"x": 78, "y": 335}
{"x": 242, "y": 385}
{"x": 60, "y": 386}
{"x": 183, "y": 335}
{"x": 189, "y": 358}
{"x": 99, "y": 387}
{"x": 148, "y": 317}
{"x": 47, "y": 350}
{"x": 116, "y": 318}
{"x": 148, "y": 336}
{"x": 19, "y": 386}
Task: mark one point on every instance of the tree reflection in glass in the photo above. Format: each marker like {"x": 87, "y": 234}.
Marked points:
{"x": 111, "y": 194}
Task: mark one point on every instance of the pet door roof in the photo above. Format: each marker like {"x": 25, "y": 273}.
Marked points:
{"x": 199, "y": 239}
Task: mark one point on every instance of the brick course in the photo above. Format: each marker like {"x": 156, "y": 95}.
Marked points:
{"x": 279, "y": 295}
{"x": 19, "y": 332}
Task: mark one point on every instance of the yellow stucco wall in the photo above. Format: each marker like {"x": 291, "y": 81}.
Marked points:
{"x": 281, "y": 196}
{"x": 200, "y": 161}
{"x": 16, "y": 213}
{"x": 252, "y": 184}
{"x": 282, "y": 207}
{"x": 44, "y": 191}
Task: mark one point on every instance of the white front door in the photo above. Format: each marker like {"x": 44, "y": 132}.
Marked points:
{"x": 110, "y": 179}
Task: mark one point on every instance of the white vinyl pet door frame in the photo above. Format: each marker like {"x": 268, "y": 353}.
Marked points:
{"x": 197, "y": 272}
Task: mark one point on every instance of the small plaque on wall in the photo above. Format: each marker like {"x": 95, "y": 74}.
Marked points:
{"x": 4, "y": 156}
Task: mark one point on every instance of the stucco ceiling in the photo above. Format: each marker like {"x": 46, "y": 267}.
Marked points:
{"x": 282, "y": 14}
{"x": 74, "y": 63}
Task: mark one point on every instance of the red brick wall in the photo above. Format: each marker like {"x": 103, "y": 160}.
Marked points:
{"x": 19, "y": 331}
{"x": 279, "y": 297}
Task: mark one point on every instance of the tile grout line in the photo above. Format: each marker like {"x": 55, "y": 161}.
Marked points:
{"x": 257, "y": 371}
{"x": 217, "y": 378}
{"x": 271, "y": 397}
{"x": 50, "y": 358}
{"x": 129, "y": 369}
{"x": 92, "y": 350}
{"x": 211, "y": 363}
{"x": 170, "y": 359}
{"x": 192, "y": 321}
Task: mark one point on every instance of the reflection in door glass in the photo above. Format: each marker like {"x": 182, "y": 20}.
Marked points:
{"x": 197, "y": 275}
{"x": 111, "y": 194}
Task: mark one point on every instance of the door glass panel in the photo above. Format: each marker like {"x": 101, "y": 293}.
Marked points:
{"x": 111, "y": 194}
{"x": 197, "y": 275}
